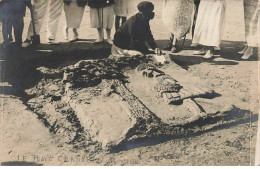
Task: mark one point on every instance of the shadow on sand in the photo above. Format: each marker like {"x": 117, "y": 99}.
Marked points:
{"x": 233, "y": 118}
{"x": 228, "y": 54}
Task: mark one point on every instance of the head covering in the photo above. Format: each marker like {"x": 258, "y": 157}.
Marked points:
{"x": 145, "y": 7}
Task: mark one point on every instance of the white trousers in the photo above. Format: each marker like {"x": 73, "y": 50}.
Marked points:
{"x": 39, "y": 11}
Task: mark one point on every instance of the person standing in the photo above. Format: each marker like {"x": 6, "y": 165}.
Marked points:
{"x": 74, "y": 10}
{"x": 177, "y": 16}
{"x": 6, "y": 22}
{"x": 121, "y": 9}
{"x": 102, "y": 17}
{"x": 12, "y": 14}
{"x": 251, "y": 15}
{"x": 39, "y": 11}
{"x": 209, "y": 26}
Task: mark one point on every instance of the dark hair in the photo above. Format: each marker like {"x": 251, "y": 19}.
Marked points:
{"x": 145, "y": 6}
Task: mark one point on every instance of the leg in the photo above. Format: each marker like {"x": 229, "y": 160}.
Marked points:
{"x": 18, "y": 29}
{"x": 123, "y": 20}
{"x": 8, "y": 20}
{"x": 75, "y": 32}
{"x": 209, "y": 52}
{"x": 5, "y": 30}
{"x": 100, "y": 35}
{"x": 39, "y": 11}
{"x": 10, "y": 36}
{"x": 243, "y": 51}
{"x": 248, "y": 53}
{"x": 117, "y": 22}
{"x": 9, "y": 26}
{"x": 174, "y": 43}
{"x": 65, "y": 32}
{"x": 169, "y": 46}
{"x": 109, "y": 40}
{"x": 108, "y": 31}
{"x": 53, "y": 19}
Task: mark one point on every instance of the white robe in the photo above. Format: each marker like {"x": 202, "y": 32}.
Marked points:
{"x": 73, "y": 14}
{"x": 251, "y": 14}
{"x": 249, "y": 10}
{"x": 177, "y": 16}
{"x": 210, "y": 23}
{"x": 102, "y": 17}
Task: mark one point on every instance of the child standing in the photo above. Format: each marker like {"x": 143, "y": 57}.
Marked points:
{"x": 121, "y": 9}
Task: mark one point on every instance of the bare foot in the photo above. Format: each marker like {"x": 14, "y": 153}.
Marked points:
{"x": 208, "y": 55}
{"x": 248, "y": 53}
{"x": 243, "y": 51}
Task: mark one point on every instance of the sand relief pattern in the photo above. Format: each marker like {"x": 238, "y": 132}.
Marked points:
{"x": 100, "y": 104}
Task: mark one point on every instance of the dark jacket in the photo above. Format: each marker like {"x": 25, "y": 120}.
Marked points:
{"x": 80, "y": 3}
{"x": 100, "y": 3}
{"x": 133, "y": 34}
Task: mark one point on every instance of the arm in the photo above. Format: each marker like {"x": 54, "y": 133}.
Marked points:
{"x": 151, "y": 41}
{"x": 150, "y": 38}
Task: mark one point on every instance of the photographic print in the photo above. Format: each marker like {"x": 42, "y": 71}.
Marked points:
{"x": 129, "y": 82}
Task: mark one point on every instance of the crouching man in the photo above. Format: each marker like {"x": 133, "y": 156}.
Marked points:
{"x": 131, "y": 38}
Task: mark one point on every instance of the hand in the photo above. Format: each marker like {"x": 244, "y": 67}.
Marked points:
{"x": 158, "y": 51}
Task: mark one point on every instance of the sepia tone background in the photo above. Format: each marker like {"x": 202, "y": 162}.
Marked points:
{"x": 24, "y": 137}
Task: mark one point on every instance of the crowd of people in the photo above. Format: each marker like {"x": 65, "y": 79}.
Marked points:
{"x": 204, "y": 18}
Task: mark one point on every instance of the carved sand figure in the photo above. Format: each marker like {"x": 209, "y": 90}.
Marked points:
{"x": 78, "y": 101}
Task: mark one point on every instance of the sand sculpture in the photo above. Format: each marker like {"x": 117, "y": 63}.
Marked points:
{"x": 101, "y": 104}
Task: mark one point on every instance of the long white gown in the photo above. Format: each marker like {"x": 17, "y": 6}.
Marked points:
{"x": 210, "y": 23}
{"x": 102, "y": 17}
{"x": 251, "y": 15}
{"x": 74, "y": 14}
{"x": 177, "y": 16}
